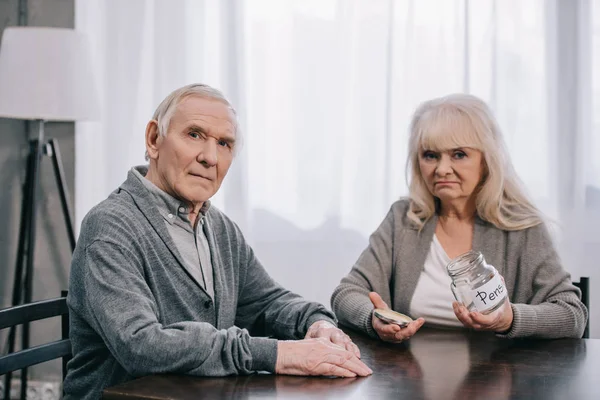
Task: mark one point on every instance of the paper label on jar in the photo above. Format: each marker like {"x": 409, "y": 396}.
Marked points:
{"x": 490, "y": 294}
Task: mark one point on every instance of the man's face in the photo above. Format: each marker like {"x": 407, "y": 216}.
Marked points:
{"x": 194, "y": 156}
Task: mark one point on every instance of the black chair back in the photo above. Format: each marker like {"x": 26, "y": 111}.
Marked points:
{"x": 22, "y": 314}
{"x": 584, "y": 286}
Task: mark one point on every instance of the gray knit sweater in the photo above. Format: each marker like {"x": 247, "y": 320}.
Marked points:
{"x": 544, "y": 301}
{"x": 135, "y": 310}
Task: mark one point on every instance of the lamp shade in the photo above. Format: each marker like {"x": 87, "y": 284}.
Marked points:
{"x": 45, "y": 73}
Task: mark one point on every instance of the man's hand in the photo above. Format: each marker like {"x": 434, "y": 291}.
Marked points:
{"x": 325, "y": 329}
{"x": 499, "y": 321}
{"x": 391, "y": 332}
{"x": 318, "y": 357}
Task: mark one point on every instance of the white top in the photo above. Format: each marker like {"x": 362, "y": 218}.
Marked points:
{"x": 433, "y": 297}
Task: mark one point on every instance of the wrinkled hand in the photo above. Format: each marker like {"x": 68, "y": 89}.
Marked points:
{"x": 498, "y": 321}
{"x": 318, "y": 357}
{"x": 325, "y": 329}
{"x": 391, "y": 332}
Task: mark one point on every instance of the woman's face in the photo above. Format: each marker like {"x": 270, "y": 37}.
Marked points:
{"x": 452, "y": 175}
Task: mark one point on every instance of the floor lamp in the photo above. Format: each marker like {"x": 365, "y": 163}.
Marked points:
{"x": 45, "y": 75}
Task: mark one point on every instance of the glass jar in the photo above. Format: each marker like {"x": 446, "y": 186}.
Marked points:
{"x": 475, "y": 283}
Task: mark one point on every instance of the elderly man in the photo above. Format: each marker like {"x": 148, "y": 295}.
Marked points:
{"x": 163, "y": 282}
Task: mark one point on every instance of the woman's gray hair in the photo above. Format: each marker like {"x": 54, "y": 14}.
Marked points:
{"x": 463, "y": 120}
{"x": 165, "y": 110}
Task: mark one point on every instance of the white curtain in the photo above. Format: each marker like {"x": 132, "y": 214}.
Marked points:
{"x": 325, "y": 89}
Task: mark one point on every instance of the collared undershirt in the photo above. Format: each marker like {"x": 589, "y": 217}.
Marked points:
{"x": 433, "y": 297}
{"x": 191, "y": 243}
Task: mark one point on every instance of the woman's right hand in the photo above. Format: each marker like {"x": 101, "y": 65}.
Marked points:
{"x": 391, "y": 332}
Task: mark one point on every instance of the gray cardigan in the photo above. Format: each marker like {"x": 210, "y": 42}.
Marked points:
{"x": 135, "y": 310}
{"x": 544, "y": 301}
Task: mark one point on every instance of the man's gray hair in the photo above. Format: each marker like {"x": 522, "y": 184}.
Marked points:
{"x": 165, "y": 110}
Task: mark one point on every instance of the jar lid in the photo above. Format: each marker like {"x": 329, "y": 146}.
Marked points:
{"x": 392, "y": 317}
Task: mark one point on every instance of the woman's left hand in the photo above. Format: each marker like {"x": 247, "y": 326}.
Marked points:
{"x": 499, "y": 321}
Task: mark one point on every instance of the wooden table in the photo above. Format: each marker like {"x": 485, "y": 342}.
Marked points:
{"x": 434, "y": 364}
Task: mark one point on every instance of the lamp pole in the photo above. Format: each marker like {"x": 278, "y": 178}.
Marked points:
{"x": 22, "y": 289}
{"x": 24, "y": 270}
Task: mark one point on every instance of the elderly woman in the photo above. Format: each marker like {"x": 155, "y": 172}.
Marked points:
{"x": 464, "y": 195}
